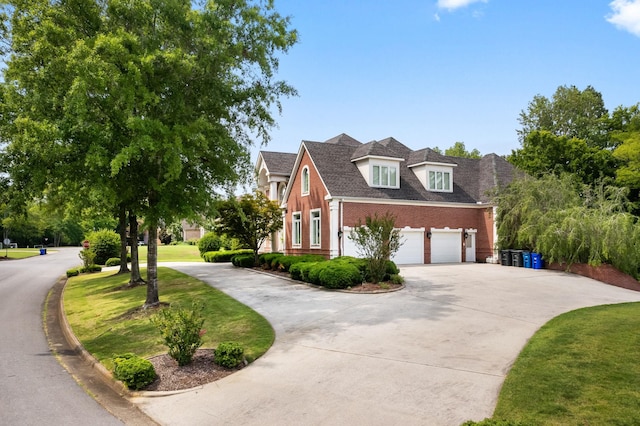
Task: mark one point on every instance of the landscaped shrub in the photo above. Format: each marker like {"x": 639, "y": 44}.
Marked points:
{"x": 224, "y": 256}
{"x": 105, "y": 244}
{"x": 209, "y": 242}
{"x": 313, "y": 274}
{"x": 295, "y": 271}
{"x": 72, "y": 273}
{"x": 265, "y": 259}
{"x": 340, "y": 276}
{"x": 181, "y": 330}
{"x": 133, "y": 371}
{"x": 285, "y": 262}
{"x": 112, "y": 261}
{"x": 228, "y": 354}
{"x": 91, "y": 268}
{"x": 396, "y": 279}
{"x": 243, "y": 260}
{"x": 305, "y": 267}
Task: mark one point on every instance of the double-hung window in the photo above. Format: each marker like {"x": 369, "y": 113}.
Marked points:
{"x": 315, "y": 229}
{"x": 385, "y": 176}
{"x": 439, "y": 181}
{"x": 296, "y": 229}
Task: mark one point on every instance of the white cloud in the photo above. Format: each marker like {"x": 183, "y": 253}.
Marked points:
{"x": 457, "y": 4}
{"x": 626, "y": 15}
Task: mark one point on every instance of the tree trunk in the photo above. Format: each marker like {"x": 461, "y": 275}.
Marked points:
{"x": 153, "y": 298}
{"x": 122, "y": 230}
{"x": 136, "y": 278}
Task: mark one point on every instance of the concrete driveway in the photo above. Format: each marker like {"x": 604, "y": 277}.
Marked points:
{"x": 434, "y": 353}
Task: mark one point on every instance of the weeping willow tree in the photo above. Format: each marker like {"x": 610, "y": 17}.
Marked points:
{"x": 570, "y": 222}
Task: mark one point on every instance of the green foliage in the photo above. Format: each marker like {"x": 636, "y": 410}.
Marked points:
{"x": 339, "y": 275}
{"x": 266, "y": 259}
{"x": 569, "y": 222}
{"x": 91, "y": 268}
{"x": 181, "y": 330}
{"x": 492, "y": 422}
{"x": 251, "y": 219}
{"x": 73, "y": 273}
{"x": 396, "y": 279}
{"x": 133, "y": 371}
{"x": 112, "y": 261}
{"x": 229, "y": 354}
{"x": 459, "y": 150}
{"x": 377, "y": 241}
{"x": 105, "y": 244}
{"x": 224, "y": 256}
{"x": 285, "y": 262}
{"x": 628, "y": 153}
{"x": 243, "y": 260}
{"x": 209, "y": 242}
{"x": 88, "y": 257}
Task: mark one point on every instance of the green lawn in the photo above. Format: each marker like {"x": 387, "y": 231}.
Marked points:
{"x": 20, "y": 253}
{"x": 581, "y": 368}
{"x": 107, "y": 321}
{"x": 175, "y": 253}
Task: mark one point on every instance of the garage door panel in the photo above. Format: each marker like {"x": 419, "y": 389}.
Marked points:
{"x": 446, "y": 246}
{"x": 410, "y": 252}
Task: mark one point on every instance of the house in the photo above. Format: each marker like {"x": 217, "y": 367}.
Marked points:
{"x": 441, "y": 203}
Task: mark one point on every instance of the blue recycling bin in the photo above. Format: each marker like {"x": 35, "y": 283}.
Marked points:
{"x": 526, "y": 259}
{"x": 43, "y": 251}
{"x": 536, "y": 261}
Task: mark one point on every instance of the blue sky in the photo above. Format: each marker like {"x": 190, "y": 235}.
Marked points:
{"x": 433, "y": 72}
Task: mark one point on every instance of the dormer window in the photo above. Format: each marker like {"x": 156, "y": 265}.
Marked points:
{"x": 305, "y": 180}
{"x": 385, "y": 176}
{"x": 439, "y": 180}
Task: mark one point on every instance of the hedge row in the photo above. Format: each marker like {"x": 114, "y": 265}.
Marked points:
{"x": 224, "y": 255}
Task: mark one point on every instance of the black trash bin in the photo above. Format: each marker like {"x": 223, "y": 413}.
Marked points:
{"x": 505, "y": 257}
{"x": 516, "y": 258}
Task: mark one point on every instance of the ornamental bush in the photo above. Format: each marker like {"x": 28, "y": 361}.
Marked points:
{"x": 339, "y": 276}
{"x": 209, "y": 242}
{"x": 243, "y": 260}
{"x": 112, "y": 261}
{"x": 266, "y": 259}
{"x": 73, "y": 273}
{"x": 228, "y": 354}
{"x": 133, "y": 371}
{"x": 181, "y": 330}
{"x": 224, "y": 256}
{"x": 105, "y": 244}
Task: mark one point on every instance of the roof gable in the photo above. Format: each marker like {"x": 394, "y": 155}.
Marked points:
{"x": 374, "y": 149}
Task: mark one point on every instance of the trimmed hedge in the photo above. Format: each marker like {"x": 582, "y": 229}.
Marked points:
{"x": 224, "y": 256}
{"x": 265, "y": 260}
{"x": 285, "y": 262}
{"x": 243, "y": 260}
{"x": 113, "y": 261}
{"x": 340, "y": 276}
{"x": 228, "y": 354}
{"x": 133, "y": 371}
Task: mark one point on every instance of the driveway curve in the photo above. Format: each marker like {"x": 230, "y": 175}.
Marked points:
{"x": 434, "y": 353}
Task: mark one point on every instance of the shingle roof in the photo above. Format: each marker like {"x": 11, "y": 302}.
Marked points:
{"x": 343, "y": 139}
{"x": 471, "y": 179}
{"x": 279, "y": 163}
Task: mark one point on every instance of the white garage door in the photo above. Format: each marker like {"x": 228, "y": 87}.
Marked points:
{"x": 446, "y": 245}
{"x": 411, "y": 251}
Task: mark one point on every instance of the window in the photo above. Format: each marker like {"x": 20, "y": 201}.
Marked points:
{"x": 385, "y": 176}
{"x": 296, "y": 229}
{"x": 305, "y": 180}
{"x": 439, "y": 181}
{"x": 315, "y": 229}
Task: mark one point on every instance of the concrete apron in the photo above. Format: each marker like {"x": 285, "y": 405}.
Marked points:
{"x": 434, "y": 353}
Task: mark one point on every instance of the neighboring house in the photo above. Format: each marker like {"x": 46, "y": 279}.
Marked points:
{"x": 441, "y": 203}
{"x": 273, "y": 170}
{"x": 191, "y": 231}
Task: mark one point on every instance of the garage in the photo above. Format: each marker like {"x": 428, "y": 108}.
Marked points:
{"x": 411, "y": 251}
{"x": 446, "y": 245}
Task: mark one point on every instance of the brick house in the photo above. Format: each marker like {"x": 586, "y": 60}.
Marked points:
{"x": 441, "y": 203}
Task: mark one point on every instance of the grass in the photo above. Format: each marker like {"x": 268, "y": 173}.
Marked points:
{"x": 581, "y": 368}
{"x": 20, "y": 253}
{"x": 175, "y": 253}
{"x": 108, "y": 321}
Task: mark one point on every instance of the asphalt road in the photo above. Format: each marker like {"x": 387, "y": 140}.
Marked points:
{"x": 34, "y": 388}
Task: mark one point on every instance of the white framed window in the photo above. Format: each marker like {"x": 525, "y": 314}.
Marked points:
{"x": 440, "y": 181}
{"x": 296, "y": 229}
{"x": 384, "y": 176}
{"x": 315, "y": 229}
{"x": 305, "y": 180}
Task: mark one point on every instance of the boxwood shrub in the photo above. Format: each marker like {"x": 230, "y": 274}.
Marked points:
{"x": 73, "y": 273}
{"x": 113, "y": 261}
{"x": 265, "y": 260}
{"x": 228, "y": 354}
{"x": 339, "y": 275}
{"x": 243, "y": 260}
{"x": 224, "y": 256}
{"x": 285, "y": 262}
{"x": 133, "y": 371}
{"x": 209, "y": 242}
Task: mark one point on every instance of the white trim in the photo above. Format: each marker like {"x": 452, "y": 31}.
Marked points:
{"x": 293, "y": 231}
{"x": 334, "y": 226}
{"x": 432, "y": 163}
{"x": 377, "y": 157}
{"x": 408, "y": 202}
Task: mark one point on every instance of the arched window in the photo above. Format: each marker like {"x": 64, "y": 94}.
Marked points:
{"x": 305, "y": 180}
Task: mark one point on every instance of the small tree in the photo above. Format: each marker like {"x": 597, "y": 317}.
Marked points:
{"x": 377, "y": 241}
{"x": 251, "y": 219}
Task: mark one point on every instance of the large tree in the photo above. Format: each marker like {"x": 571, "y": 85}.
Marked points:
{"x": 152, "y": 103}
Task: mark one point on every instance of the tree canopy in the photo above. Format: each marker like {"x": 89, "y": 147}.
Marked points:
{"x": 149, "y": 104}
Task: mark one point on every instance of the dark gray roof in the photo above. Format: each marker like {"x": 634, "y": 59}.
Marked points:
{"x": 343, "y": 139}
{"x": 279, "y": 163}
{"x": 373, "y": 149}
{"x": 472, "y": 178}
